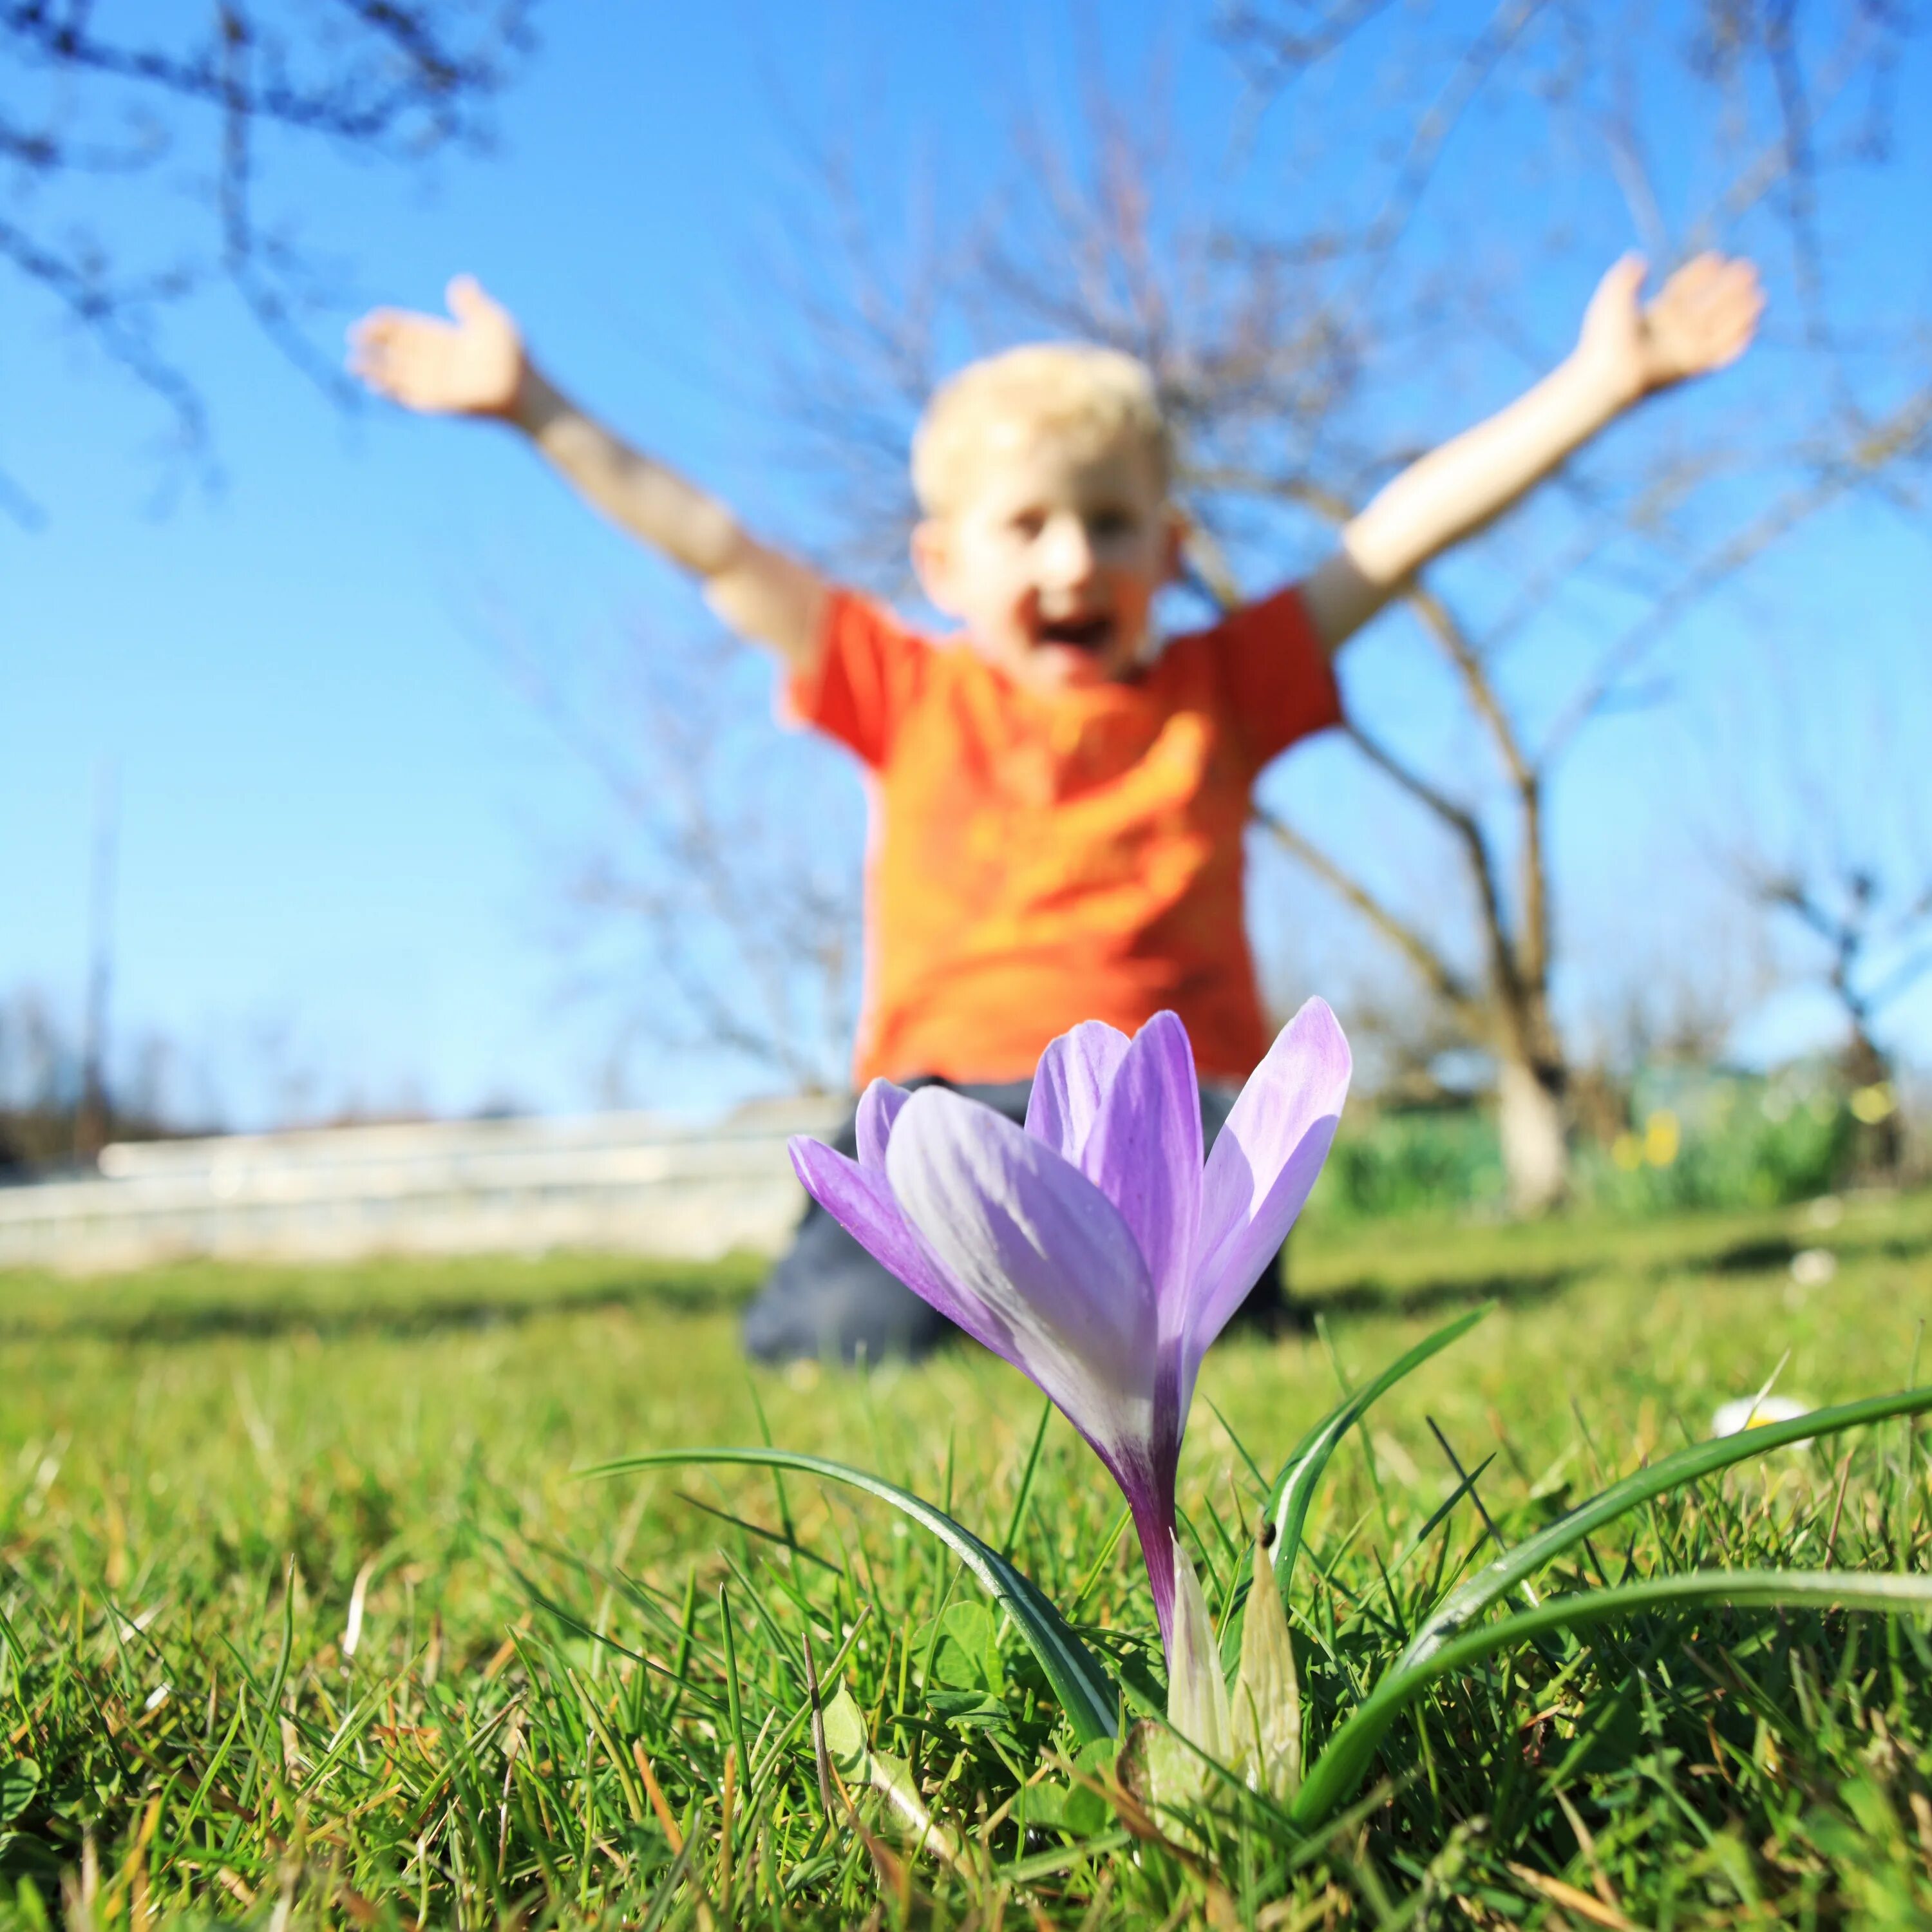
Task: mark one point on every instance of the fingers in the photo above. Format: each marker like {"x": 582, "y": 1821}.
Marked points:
{"x": 1713, "y": 304}
{"x": 1616, "y": 294}
{"x": 467, "y": 298}
{"x": 370, "y": 342}
{"x": 1712, "y": 281}
{"x": 378, "y": 345}
{"x": 393, "y": 352}
{"x": 1627, "y": 273}
{"x": 376, "y": 330}
{"x": 1732, "y": 312}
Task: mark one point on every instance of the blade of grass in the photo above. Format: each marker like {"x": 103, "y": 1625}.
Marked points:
{"x": 1086, "y": 1692}
{"x": 1025, "y": 1495}
{"x": 1339, "y": 1768}
{"x": 1294, "y": 1489}
{"x": 1702, "y": 1459}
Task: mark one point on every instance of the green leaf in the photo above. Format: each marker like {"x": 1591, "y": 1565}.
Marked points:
{"x": 891, "y": 1777}
{"x": 1086, "y": 1812}
{"x": 19, "y": 1780}
{"x": 1040, "y": 1807}
{"x": 1475, "y": 1595}
{"x": 844, "y": 1729}
{"x": 1087, "y": 1695}
{"x": 966, "y": 1654}
{"x": 1338, "y": 1769}
{"x": 1294, "y": 1488}
{"x": 969, "y": 1710}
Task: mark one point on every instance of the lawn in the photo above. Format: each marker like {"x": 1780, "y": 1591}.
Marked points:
{"x": 303, "y": 1600}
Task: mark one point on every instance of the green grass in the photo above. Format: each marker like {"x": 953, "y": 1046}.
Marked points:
{"x": 197, "y": 1464}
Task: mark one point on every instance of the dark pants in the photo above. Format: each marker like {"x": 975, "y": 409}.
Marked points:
{"x": 828, "y": 1298}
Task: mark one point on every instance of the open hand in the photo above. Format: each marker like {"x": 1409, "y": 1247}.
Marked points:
{"x": 473, "y": 365}
{"x": 1702, "y": 319}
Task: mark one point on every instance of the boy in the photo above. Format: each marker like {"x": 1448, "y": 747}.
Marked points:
{"x": 1057, "y": 806}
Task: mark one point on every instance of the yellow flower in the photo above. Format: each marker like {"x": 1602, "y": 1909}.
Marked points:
{"x": 1662, "y": 1138}
{"x": 1874, "y": 1103}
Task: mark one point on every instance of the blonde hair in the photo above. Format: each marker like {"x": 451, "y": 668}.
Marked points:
{"x": 1092, "y": 397}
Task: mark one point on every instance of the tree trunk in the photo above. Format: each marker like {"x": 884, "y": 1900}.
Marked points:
{"x": 1878, "y": 1146}
{"x": 1536, "y": 1150}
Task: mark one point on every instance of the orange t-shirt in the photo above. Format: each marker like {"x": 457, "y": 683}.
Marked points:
{"x": 1036, "y": 861}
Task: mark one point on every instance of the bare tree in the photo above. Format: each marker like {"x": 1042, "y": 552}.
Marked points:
{"x": 715, "y": 912}
{"x": 1817, "y": 820}
{"x": 1311, "y": 334}
{"x": 1866, "y": 928}
{"x": 44, "y": 1086}
{"x": 107, "y": 121}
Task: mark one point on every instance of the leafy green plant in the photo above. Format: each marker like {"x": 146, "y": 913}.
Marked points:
{"x": 1451, "y": 1636}
{"x": 1705, "y": 1139}
{"x": 1407, "y": 1161}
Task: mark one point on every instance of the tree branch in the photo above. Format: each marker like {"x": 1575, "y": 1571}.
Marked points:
{"x": 1441, "y": 978}
{"x": 398, "y": 79}
{"x": 1440, "y": 625}
{"x": 1504, "y": 965}
{"x": 1906, "y": 433}
{"x": 111, "y": 316}
{"x": 368, "y": 100}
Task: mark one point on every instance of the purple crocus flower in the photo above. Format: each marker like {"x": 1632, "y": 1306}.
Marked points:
{"x": 1092, "y": 1249}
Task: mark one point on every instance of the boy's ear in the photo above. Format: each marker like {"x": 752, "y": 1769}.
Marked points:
{"x": 932, "y": 562}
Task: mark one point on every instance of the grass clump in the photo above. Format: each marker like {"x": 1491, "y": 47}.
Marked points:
{"x": 307, "y": 1620}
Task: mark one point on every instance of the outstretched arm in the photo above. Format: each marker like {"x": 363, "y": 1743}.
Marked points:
{"x": 475, "y": 365}
{"x": 1702, "y": 319}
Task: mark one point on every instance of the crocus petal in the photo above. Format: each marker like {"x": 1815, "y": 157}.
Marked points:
{"x": 858, "y": 1199}
{"x": 878, "y": 1108}
{"x": 1072, "y": 1078}
{"x": 1041, "y": 1249}
{"x": 1144, "y": 1153}
{"x": 1197, "y": 1693}
{"x": 1265, "y": 1161}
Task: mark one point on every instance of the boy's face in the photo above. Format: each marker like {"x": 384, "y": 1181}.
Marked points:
{"x": 1053, "y": 559}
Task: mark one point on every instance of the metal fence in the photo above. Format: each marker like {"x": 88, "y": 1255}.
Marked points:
{"x": 634, "y": 1183}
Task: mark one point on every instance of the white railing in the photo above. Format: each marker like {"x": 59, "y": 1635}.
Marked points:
{"x": 635, "y": 1183}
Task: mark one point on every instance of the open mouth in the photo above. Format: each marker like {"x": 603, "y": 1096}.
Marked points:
{"x": 1080, "y": 634}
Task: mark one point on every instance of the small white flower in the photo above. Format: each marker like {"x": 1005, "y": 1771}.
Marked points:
{"x": 1753, "y": 1412}
{"x": 1812, "y": 1268}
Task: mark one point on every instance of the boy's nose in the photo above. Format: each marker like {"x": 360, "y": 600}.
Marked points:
{"x": 1068, "y": 551}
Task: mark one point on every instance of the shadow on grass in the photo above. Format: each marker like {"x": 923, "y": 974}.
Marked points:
{"x": 1754, "y": 1257}
{"x": 136, "y": 1312}
{"x": 1370, "y": 1296}
{"x": 191, "y": 1322}
{"x": 1769, "y": 1254}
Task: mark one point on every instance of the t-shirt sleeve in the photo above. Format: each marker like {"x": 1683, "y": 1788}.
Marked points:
{"x": 869, "y": 669}
{"x": 1276, "y": 675}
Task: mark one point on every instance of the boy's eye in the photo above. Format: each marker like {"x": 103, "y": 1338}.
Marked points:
{"x": 1028, "y": 523}
{"x": 1112, "y": 522}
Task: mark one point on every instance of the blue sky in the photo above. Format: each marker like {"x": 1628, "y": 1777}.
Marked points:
{"x": 340, "y": 815}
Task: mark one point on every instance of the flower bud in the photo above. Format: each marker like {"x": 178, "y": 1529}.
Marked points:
{"x": 1265, "y": 1706}
{"x": 1197, "y": 1694}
